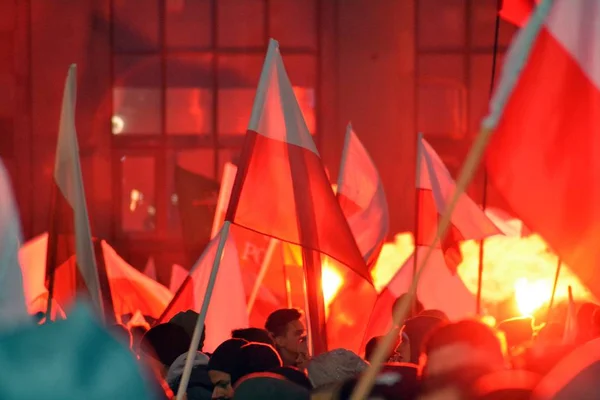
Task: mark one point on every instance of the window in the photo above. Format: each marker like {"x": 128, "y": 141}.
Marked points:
{"x": 455, "y": 44}
{"x": 184, "y": 73}
{"x": 455, "y": 48}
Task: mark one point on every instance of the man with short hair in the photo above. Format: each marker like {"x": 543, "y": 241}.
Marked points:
{"x": 289, "y": 334}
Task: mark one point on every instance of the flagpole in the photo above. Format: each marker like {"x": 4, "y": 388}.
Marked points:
{"x": 465, "y": 177}
{"x": 264, "y": 267}
{"x": 187, "y": 370}
{"x": 485, "y": 175}
{"x": 556, "y": 276}
{"x": 417, "y": 210}
{"x": 51, "y": 250}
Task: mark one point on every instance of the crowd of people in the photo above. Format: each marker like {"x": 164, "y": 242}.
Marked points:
{"x": 434, "y": 358}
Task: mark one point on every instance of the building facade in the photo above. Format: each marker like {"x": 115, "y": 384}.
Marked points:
{"x": 171, "y": 82}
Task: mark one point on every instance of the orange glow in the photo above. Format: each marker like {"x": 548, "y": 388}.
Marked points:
{"x": 331, "y": 282}
{"x": 522, "y": 268}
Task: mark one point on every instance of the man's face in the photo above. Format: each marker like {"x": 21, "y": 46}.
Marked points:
{"x": 222, "y": 384}
{"x": 294, "y": 340}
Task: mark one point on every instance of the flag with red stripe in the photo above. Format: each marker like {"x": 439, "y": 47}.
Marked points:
{"x": 70, "y": 231}
{"x": 362, "y": 198}
{"x": 543, "y": 156}
{"x": 227, "y": 308}
{"x": 435, "y": 187}
{"x": 281, "y": 188}
{"x": 438, "y": 289}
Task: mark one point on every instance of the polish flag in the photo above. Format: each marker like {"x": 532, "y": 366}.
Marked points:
{"x": 70, "y": 227}
{"x": 150, "y": 268}
{"x": 227, "y": 309}
{"x": 545, "y": 118}
{"x": 178, "y": 275}
{"x": 362, "y": 198}
{"x": 435, "y": 188}
{"x": 517, "y": 12}
{"x": 281, "y": 188}
{"x": 13, "y": 310}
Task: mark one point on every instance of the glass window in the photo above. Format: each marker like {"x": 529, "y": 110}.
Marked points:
{"x": 138, "y": 206}
{"x": 302, "y": 71}
{"x": 200, "y": 162}
{"x": 240, "y": 23}
{"x": 137, "y": 95}
{"x": 188, "y": 24}
{"x": 237, "y": 79}
{"x": 442, "y": 96}
{"x": 189, "y": 95}
{"x": 483, "y": 25}
{"x": 479, "y": 87}
{"x": 293, "y": 23}
{"x": 441, "y": 24}
{"x": 136, "y": 25}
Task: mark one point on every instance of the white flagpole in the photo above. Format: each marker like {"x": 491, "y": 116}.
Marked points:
{"x": 223, "y": 200}
{"x": 187, "y": 370}
{"x": 264, "y": 267}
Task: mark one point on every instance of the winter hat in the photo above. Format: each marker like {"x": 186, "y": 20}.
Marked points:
{"x": 417, "y": 329}
{"x": 226, "y": 356}
{"x": 176, "y": 368}
{"x": 269, "y": 386}
{"x": 335, "y": 366}
{"x": 187, "y": 320}
{"x": 165, "y": 342}
{"x": 255, "y": 357}
{"x": 70, "y": 359}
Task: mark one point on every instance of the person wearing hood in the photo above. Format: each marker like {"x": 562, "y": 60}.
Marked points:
{"x": 222, "y": 365}
{"x": 199, "y": 387}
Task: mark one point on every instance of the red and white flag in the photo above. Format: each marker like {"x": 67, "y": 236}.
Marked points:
{"x": 227, "y": 308}
{"x": 281, "y": 188}
{"x": 544, "y": 155}
{"x": 71, "y": 227}
{"x": 438, "y": 289}
{"x": 150, "y": 268}
{"x": 517, "y": 12}
{"x": 178, "y": 275}
{"x": 435, "y": 188}
{"x": 362, "y": 198}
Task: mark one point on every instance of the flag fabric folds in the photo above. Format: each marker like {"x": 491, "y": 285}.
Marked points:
{"x": 227, "y": 308}
{"x": 362, "y": 198}
{"x": 13, "y": 310}
{"x": 438, "y": 289}
{"x": 543, "y": 155}
{"x": 282, "y": 190}
{"x": 435, "y": 187}
{"x": 70, "y": 229}
{"x": 197, "y": 202}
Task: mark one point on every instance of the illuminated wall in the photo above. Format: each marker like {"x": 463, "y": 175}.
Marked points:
{"x": 170, "y": 82}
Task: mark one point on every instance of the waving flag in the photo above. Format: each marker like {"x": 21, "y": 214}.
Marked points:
{"x": 544, "y": 155}
{"x": 281, "y": 188}
{"x": 362, "y": 198}
{"x": 435, "y": 187}
{"x": 13, "y": 310}
{"x": 70, "y": 228}
{"x": 227, "y": 309}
